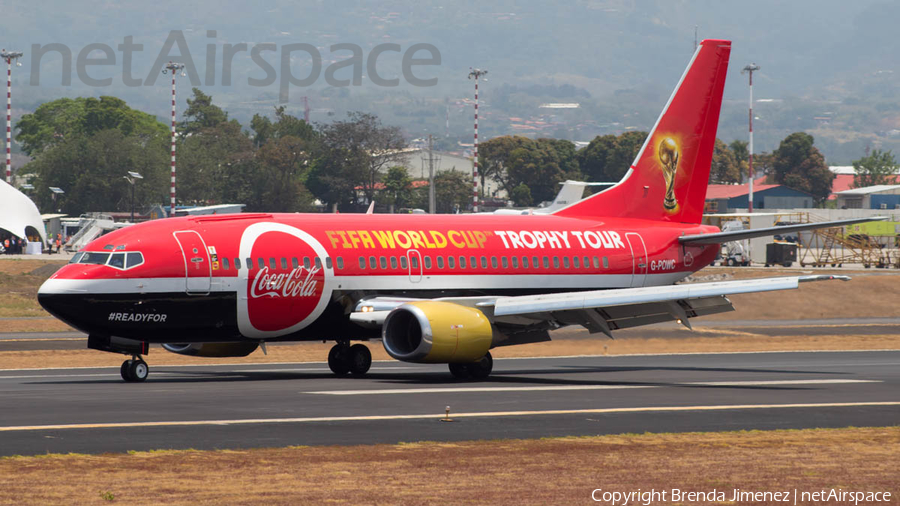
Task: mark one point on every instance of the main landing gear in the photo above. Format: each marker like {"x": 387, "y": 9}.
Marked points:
{"x": 343, "y": 359}
{"x": 474, "y": 370}
{"x": 134, "y": 370}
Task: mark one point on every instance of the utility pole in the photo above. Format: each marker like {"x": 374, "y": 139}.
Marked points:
{"x": 476, "y": 73}
{"x": 173, "y": 68}
{"x": 9, "y": 56}
{"x": 430, "y": 173}
{"x": 749, "y": 69}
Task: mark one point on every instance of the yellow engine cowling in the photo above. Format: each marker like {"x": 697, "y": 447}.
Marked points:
{"x": 436, "y": 332}
{"x": 238, "y": 349}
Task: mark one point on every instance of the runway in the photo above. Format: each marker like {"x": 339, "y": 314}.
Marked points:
{"x": 73, "y": 340}
{"x": 91, "y": 410}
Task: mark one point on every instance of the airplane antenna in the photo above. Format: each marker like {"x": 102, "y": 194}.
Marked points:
{"x": 476, "y": 73}
{"x": 173, "y": 68}
{"x": 9, "y": 56}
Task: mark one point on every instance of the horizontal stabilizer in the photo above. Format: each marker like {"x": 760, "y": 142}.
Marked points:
{"x": 739, "y": 235}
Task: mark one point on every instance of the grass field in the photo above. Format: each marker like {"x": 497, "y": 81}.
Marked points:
{"x": 515, "y": 472}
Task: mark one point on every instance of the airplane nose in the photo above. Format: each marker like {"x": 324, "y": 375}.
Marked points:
{"x": 61, "y": 301}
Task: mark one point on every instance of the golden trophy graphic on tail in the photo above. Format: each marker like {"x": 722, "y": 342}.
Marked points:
{"x": 668, "y": 158}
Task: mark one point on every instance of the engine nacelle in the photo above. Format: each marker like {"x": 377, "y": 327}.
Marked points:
{"x": 239, "y": 349}
{"x": 436, "y": 332}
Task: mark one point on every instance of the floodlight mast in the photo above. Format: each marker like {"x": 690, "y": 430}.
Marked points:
{"x": 9, "y": 56}
{"x": 174, "y": 69}
{"x": 475, "y": 73}
{"x": 749, "y": 69}
{"x": 134, "y": 177}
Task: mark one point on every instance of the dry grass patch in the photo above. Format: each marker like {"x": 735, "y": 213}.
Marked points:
{"x": 317, "y": 352}
{"x": 546, "y": 471}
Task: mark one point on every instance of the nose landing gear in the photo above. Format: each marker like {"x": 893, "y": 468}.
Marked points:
{"x": 134, "y": 370}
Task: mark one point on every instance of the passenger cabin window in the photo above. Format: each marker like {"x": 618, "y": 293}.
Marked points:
{"x": 295, "y": 263}
{"x": 493, "y": 262}
{"x": 575, "y": 263}
{"x": 271, "y": 263}
{"x": 462, "y": 262}
{"x": 372, "y": 263}
{"x": 393, "y": 262}
{"x": 306, "y": 263}
{"x": 524, "y": 262}
{"x": 440, "y": 262}
{"x": 237, "y": 263}
{"x": 340, "y": 262}
{"x": 473, "y": 263}
{"x": 535, "y": 262}
{"x": 403, "y": 264}
{"x": 566, "y": 262}
{"x": 515, "y": 262}
{"x": 225, "y": 264}
{"x": 414, "y": 261}
{"x": 328, "y": 262}
{"x": 427, "y": 262}
{"x": 283, "y": 263}
{"x": 362, "y": 262}
{"x": 505, "y": 262}
{"x": 596, "y": 263}
{"x": 318, "y": 263}
{"x": 451, "y": 262}
{"x": 546, "y": 263}
{"x": 605, "y": 263}
{"x": 556, "y": 262}
{"x": 383, "y": 262}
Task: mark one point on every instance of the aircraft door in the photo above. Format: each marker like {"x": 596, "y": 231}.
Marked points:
{"x": 638, "y": 258}
{"x": 415, "y": 265}
{"x": 197, "y": 267}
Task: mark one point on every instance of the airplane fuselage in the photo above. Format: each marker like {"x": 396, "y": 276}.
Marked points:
{"x": 299, "y": 276}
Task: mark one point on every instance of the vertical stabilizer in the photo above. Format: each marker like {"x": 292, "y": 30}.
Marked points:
{"x": 668, "y": 179}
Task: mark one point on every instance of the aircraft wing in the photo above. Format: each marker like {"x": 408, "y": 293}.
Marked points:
{"x": 738, "y": 235}
{"x": 600, "y": 310}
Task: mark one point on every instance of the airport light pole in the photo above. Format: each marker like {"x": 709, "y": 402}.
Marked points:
{"x": 132, "y": 177}
{"x": 9, "y": 56}
{"x": 475, "y": 73}
{"x": 174, "y": 69}
{"x": 749, "y": 69}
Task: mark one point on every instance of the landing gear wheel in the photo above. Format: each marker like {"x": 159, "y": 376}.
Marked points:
{"x": 459, "y": 371}
{"x": 125, "y": 371}
{"x": 138, "y": 370}
{"x": 359, "y": 359}
{"x": 482, "y": 368}
{"x": 337, "y": 359}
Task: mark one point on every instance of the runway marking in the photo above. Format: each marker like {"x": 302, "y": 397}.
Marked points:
{"x": 543, "y": 388}
{"x": 433, "y": 416}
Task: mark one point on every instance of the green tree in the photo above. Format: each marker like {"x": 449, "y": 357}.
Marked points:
{"x": 397, "y": 188}
{"x": 201, "y": 113}
{"x": 493, "y": 156}
{"x": 724, "y": 169}
{"x": 521, "y": 195}
{"x": 285, "y": 124}
{"x": 799, "y": 165}
{"x": 452, "y": 191}
{"x": 607, "y": 158}
{"x": 55, "y": 122}
{"x": 740, "y": 150}
{"x": 353, "y": 153}
{"x": 880, "y": 167}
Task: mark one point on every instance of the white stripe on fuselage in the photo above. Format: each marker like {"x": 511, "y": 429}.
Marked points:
{"x": 486, "y": 283}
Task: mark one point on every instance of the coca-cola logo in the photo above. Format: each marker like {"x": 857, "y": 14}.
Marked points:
{"x": 286, "y": 286}
{"x": 300, "y": 282}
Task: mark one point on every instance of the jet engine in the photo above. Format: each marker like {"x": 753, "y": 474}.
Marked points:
{"x": 238, "y": 349}
{"x": 436, "y": 332}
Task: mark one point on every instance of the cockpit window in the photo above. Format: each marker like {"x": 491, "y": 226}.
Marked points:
{"x": 133, "y": 259}
{"x": 93, "y": 257}
{"x": 117, "y": 260}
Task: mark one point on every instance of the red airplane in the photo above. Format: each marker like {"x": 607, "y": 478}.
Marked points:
{"x": 434, "y": 288}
